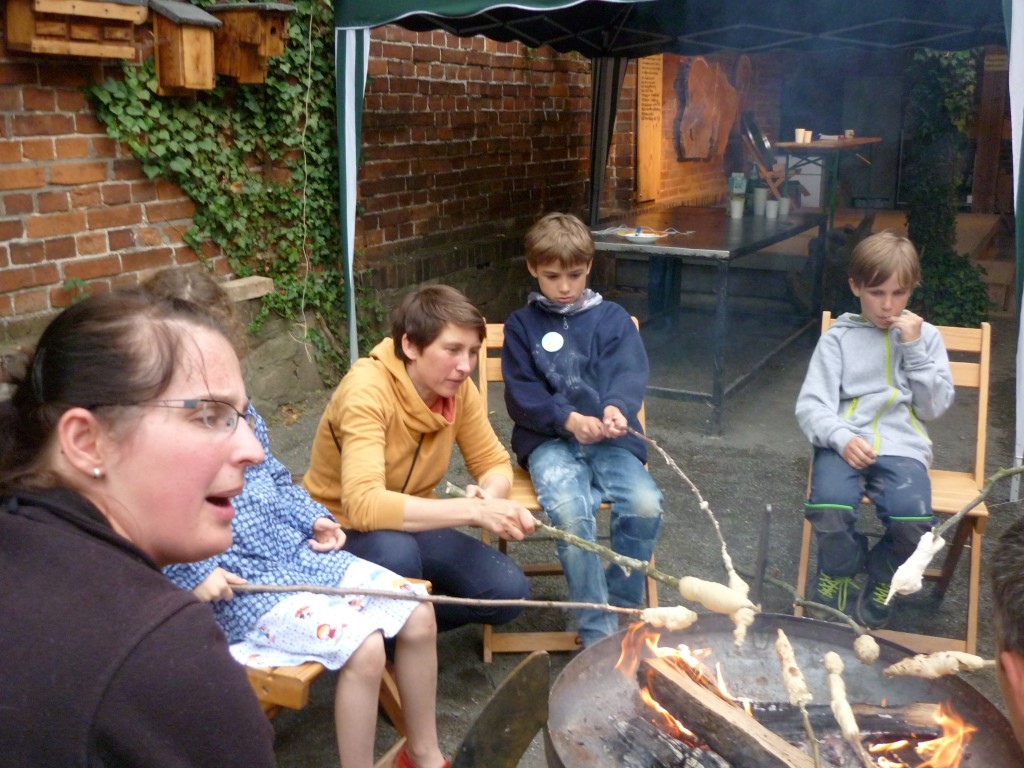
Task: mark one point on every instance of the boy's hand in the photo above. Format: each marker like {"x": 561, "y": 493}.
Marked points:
{"x": 217, "y": 586}
{"x": 586, "y": 429}
{"x": 615, "y": 424}
{"x": 909, "y": 326}
{"x": 858, "y": 453}
{"x": 327, "y": 535}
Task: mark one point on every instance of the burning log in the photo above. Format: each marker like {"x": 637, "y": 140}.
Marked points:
{"x": 644, "y": 745}
{"x": 787, "y": 721}
{"x": 726, "y": 728}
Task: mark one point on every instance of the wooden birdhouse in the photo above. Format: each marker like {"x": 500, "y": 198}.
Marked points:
{"x": 183, "y": 47}
{"x": 88, "y": 28}
{"x": 252, "y": 33}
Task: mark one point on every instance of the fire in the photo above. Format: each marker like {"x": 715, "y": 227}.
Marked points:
{"x": 640, "y": 642}
{"x": 946, "y": 751}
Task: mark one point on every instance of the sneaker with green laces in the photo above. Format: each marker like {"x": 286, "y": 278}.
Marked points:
{"x": 833, "y": 591}
{"x": 871, "y": 610}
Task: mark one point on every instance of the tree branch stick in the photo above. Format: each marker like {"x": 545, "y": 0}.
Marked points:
{"x": 702, "y": 502}
{"x": 990, "y": 481}
{"x": 601, "y": 551}
{"x": 422, "y": 598}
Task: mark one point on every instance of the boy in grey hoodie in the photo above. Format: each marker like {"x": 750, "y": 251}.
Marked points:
{"x": 872, "y": 381}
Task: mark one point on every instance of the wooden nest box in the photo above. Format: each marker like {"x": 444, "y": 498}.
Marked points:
{"x": 89, "y": 28}
{"x": 250, "y": 35}
{"x": 183, "y": 47}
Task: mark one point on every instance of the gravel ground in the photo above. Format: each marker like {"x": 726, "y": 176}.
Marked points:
{"x": 760, "y": 459}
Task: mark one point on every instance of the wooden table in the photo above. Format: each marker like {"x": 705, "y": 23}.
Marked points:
{"x": 716, "y": 240}
{"x": 825, "y": 154}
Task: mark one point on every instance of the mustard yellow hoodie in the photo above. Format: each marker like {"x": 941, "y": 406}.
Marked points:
{"x": 378, "y": 418}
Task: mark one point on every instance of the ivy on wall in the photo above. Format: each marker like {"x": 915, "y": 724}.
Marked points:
{"x": 260, "y": 163}
{"x": 938, "y": 114}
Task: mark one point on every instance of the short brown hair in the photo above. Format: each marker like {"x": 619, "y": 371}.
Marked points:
{"x": 559, "y": 238}
{"x": 423, "y": 314}
{"x": 878, "y": 257}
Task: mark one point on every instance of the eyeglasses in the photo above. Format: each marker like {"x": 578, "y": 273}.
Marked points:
{"x": 210, "y": 414}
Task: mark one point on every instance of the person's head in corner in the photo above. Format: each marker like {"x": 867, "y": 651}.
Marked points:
{"x": 1007, "y": 567}
{"x": 201, "y": 288}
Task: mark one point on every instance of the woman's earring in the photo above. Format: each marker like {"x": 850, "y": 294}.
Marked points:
{"x": 97, "y": 472}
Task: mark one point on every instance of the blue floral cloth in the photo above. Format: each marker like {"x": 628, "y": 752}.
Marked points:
{"x": 272, "y": 528}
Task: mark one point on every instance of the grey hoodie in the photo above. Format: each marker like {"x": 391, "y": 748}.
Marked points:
{"x": 863, "y": 381}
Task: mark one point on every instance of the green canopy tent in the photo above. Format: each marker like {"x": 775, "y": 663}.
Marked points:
{"x": 610, "y": 32}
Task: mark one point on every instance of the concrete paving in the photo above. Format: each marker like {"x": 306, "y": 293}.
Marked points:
{"x": 760, "y": 459}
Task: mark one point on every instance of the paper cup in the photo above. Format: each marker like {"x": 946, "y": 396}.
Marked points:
{"x": 784, "y": 204}
{"x": 849, "y": 133}
{"x": 760, "y": 198}
{"x": 736, "y": 208}
{"x": 808, "y": 136}
{"x": 771, "y": 209}
{"x": 799, "y": 138}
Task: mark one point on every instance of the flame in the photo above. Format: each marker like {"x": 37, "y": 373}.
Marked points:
{"x": 946, "y": 751}
{"x": 673, "y": 726}
{"x": 640, "y": 642}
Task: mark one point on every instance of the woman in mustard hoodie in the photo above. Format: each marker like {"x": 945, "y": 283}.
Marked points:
{"x": 385, "y": 441}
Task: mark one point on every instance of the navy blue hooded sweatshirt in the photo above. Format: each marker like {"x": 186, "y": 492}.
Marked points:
{"x": 556, "y": 364}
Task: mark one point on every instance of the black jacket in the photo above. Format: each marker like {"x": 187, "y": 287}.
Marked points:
{"x": 103, "y": 661}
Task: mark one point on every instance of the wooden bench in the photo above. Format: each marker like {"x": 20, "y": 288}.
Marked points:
{"x": 489, "y": 367}
{"x": 951, "y": 491}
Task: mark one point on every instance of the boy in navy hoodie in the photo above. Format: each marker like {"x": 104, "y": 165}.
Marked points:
{"x": 575, "y": 372}
{"x": 872, "y": 381}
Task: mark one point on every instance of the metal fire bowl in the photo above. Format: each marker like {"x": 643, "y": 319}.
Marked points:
{"x": 589, "y": 695}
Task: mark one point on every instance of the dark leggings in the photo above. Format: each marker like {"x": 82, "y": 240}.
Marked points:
{"x": 901, "y": 491}
{"x": 454, "y": 563}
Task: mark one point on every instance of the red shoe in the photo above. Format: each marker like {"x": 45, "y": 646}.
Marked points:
{"x": 402, "y": 760}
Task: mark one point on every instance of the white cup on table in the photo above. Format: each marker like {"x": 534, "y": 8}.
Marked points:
{"x": 799, "y": 137}
{"x": 760, "y": 198}
{"x": 771, "y": 209}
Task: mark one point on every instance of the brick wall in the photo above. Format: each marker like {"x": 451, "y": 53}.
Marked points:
{"x": 74, "y": 205}
{"x": 466, "y": 141}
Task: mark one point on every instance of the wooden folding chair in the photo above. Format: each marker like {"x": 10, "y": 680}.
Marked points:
{"x": 951, "y": 491}
{"x": 489, "y": 367}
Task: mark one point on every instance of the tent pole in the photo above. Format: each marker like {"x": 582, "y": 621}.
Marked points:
{"x": 608, "y": 72}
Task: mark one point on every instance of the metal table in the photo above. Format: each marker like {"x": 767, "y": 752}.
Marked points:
{"x": 718, "y": 241}
{"x": 825, "y": 154}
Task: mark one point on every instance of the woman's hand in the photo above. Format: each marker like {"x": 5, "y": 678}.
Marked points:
{"x": 217, "y": 586}
{"x": 327, "y": 535}
{"x": 502, "y": 517}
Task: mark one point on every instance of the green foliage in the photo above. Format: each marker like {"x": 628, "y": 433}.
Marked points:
{"x": 78, "y": 289}
{"x": 940, "y": 108}
{"x": 952, "y": 292}
{"x": 260, "y": 163}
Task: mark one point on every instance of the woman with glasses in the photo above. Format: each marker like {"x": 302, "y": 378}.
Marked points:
{"x": 121, "y": 452}
{"x": 282, "y": 536}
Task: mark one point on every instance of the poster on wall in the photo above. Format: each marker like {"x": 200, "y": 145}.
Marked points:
{"x": 703, "y": 104}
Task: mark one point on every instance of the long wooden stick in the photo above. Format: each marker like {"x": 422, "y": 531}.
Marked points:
{"x": 734, "y": 578}
{"x": 604, "y": 552}
{"x": 986, "y": 488}
{"x": 422, "y": 598}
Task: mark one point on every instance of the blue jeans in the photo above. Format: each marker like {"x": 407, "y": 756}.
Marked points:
{"x": 572, "y": 481}
{"x": 455, "y": 564}
{"x": 901, "y": 491}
